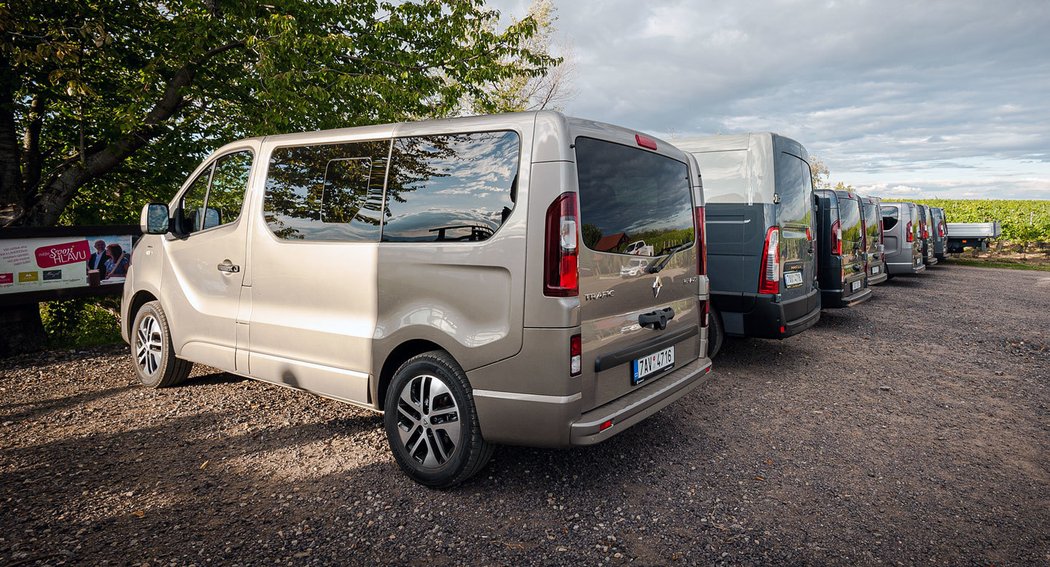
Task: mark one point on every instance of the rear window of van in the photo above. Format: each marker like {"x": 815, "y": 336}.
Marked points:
{"x": 632, "y": 201}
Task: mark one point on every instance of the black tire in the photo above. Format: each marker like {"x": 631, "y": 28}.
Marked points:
{"x": 439, "y": 447}
{"x": 152, "y": 353}
{"x": 716, "y": 334}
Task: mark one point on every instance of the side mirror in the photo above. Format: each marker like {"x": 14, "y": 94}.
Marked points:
{"x": 154, "y": 219}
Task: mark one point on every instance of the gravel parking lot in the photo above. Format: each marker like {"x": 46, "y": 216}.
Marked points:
{"x": 914, "y": 428}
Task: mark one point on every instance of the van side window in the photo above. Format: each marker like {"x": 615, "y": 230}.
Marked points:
{"x": 216, "y": 196}
{"x": 191, "y": 208}
{"x": 890, "y": 216}
{"x": 327, "y": 192}
{"x": 457, "y": 187}
{"x": 226, "y": 192}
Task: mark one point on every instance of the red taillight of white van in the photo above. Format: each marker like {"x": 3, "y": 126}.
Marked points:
{"x": 769, "y": 276}
{"x": 701, "y": 243}
{"x": 575, "y": 355}
{"x": 836, "y": 238}
{"x": 561, "y": 275}
{"x": 909, "y": 233}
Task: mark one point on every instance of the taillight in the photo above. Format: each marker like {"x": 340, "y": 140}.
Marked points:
{"x": 836, "y": 238}
{"x": 560, "y": 266}
{"x": 645, "y": 141}
{"x": 769, "y": 277}
{"x": 575, "y": 355}
{"x": 863, "y": 235}
{"x": 705, "y": 312}
{"x": 909, "y": 234}
{"x": 940, "y": 230}
{"x": 701, "y": 243}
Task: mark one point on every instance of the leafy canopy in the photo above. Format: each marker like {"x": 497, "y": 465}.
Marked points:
{"x": 109, "y": 103}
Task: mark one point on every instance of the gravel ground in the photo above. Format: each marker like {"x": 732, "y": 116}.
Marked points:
{"x": 914, "y": 428}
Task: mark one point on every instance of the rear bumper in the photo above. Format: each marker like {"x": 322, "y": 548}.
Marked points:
{"x": 766, "y": 317}
{"x": 834, "y": 298}
{"x": 557, "y": 417}
{"x": 904, "y": 268}
{"x": 930, "y": 260}
{"x": 638, "y": 405}
{"x": 878, "y": 278}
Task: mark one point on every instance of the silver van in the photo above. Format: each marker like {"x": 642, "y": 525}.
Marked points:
{"x": 466, "y": 277}
{"x": 840, "y": 231}
{"x": 874, "y": 264}
{"x": 760, "y": 216}
{"x": 900, "y": 228}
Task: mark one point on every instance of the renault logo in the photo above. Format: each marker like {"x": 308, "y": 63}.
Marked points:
{"x": 656, "y": 287}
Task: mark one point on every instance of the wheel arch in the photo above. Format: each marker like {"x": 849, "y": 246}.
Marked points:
{"x": 395, "y": 359}
{"x": 140, "y": 298}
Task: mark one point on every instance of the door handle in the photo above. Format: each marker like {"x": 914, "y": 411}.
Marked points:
{"x": 657, "y": 319}
{"x": 228, "y": 267}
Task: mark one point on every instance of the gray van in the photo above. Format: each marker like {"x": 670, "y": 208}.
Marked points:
{"x": 926, "y": 234}
{"x": 759, "y": 209}
{"x": 900, "y": 228}
{"x": 874, "y": 246}
{"x": 840, "y": 230}
{"x": 940, "y": 233}
{"x": 464, "y": 276}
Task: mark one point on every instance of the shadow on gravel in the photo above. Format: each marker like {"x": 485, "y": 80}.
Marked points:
{"x": 214, "y": 379}
{"x": 36, "y": 409}
{"x": 839, "y": 318}
{"x": 904, "y": 281}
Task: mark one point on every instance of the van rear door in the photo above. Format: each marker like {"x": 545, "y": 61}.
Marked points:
{"x": 795, "y": 218}
{"x": 637, "y": 324}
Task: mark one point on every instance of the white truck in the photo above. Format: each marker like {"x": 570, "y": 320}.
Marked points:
{"x": 971, "y": 234}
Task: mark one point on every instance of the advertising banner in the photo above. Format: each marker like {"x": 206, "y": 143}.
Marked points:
{"x": 39, "y": 264}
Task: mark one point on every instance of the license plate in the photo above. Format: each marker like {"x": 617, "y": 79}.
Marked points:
{"x": 854, "y": 286}
{"x": 793, "y": 279}
{"x": 646, "y": 366}
{"x": 874, "y": 270}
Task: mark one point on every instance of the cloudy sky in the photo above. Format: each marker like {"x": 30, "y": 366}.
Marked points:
{"x": 932, "y": 98}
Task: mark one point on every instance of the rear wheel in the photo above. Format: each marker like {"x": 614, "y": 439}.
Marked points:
{"x": 715, "y": 334}
{"x": 431, "y": 422}
{"x": 152, "y": 351}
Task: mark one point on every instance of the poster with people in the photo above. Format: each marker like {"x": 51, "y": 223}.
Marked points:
{"x": 36, "y": 264}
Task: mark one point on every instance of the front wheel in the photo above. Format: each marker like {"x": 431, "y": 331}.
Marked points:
{"x": 152, "y": 351}
{"x": 431, "y": 422}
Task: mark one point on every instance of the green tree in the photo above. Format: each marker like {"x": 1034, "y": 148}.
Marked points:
{"x": 135, "y": 91}
{"x": 820, "y": 173}
{"x": 107, "y": 104}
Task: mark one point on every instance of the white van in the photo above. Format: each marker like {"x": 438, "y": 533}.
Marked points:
{"x": 447, "y": 273}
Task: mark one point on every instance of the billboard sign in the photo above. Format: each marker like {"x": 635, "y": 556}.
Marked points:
{"x": 63, "y": 262}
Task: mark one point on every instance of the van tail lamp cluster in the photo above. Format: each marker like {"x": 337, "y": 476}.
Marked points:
{"x": 705, "y": 312}
{"x": 575, "y": 355}
{"x": 940, "y": 230}
{"x": 645, "y": 142}
{"x": 561, "y": 276}
{"x": 909, "y": 233}
{"x": 701, "y": 241}
{"x": 836, "y": 238}
{"x": 769, "y": 276}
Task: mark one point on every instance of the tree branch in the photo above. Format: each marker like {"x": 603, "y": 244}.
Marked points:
{"x": 31, "y": 159}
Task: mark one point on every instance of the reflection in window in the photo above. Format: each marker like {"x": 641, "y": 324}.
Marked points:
{"x": 326, "y": 192}
{"x": 795, "y": 189}
{"x": 228, "y": 185}
{"x": 632, "y": 201}
{"x": 191, "y": 209}
{"x": 890, "y": 216}
{"x": 458, "y": 187}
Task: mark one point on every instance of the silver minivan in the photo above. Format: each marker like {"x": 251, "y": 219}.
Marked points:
{"x": 470, "y": 278}
{"x": 874, "y": 245}
{"x": 900, "y": 227}
{"x": 926, "y": 232}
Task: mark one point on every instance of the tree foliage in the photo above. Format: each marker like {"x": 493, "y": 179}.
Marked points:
{"x": 134, "y": 91}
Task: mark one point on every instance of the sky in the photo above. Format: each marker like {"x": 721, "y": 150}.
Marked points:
{"x": 919, "y": 99}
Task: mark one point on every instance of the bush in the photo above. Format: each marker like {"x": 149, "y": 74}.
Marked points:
{"x": 81, "y": 322}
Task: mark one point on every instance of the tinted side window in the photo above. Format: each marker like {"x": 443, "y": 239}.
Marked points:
{"x": 632, "y": 201}
{"x": 226, "y": 192}
{"x": 330, "y": 192}
{"x": 457, "y": 187}
{"x": 890, "y": 217}
{"x": 191, "y": 209}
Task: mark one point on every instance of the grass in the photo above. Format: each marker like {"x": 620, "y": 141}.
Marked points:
{"x": 998, "y": 264}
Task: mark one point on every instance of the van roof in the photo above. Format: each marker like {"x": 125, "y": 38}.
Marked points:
{"x": 738, "y": 168}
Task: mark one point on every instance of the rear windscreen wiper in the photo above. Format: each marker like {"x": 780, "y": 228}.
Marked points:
{"x": 656, "y": 266}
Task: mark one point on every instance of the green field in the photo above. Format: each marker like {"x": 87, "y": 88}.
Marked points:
{"x": 1023, "y": 222}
